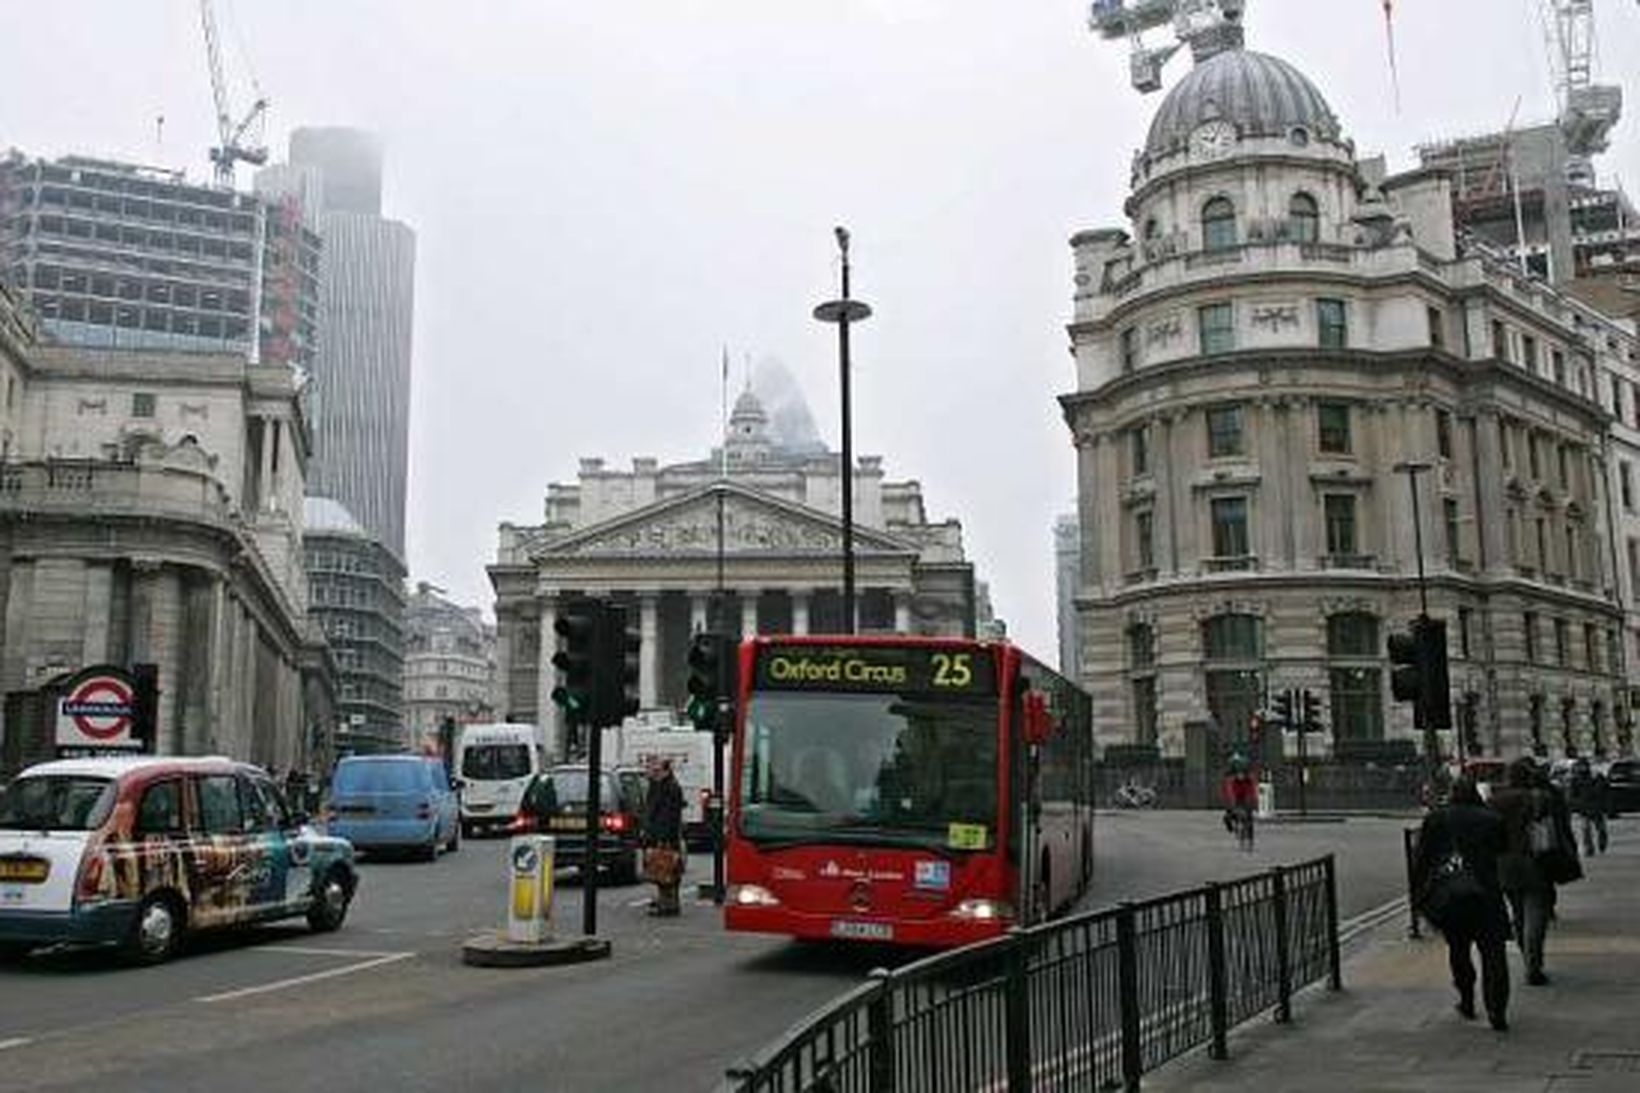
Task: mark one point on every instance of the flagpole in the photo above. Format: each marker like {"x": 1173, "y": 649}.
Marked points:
{"x": 719, "y": 623}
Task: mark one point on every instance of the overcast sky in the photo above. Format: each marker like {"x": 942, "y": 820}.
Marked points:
{"x": 605, "y": 194}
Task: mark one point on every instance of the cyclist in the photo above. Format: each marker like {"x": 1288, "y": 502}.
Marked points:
{"x": 1240, "y": 798}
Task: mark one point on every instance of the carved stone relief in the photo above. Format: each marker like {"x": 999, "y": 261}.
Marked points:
{"x": 1164, "y": 331}
{"x": 746, "y": 529}
{"x": 1275, "y": 316}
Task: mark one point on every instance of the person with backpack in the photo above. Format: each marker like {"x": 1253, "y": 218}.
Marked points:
{"x": 1455, "y": 887}
{"x": 1539, "y": 853}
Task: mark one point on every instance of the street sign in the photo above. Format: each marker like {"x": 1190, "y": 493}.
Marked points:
{"x": 98, "y": 711}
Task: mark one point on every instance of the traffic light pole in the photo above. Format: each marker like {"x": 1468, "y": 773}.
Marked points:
{"x": 1303, "y": 765}
{"x": 1432, "y": 745}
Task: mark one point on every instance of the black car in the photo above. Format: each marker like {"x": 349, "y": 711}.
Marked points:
{"x": 1623, "y": 782}
{"x": 555, "y": 803}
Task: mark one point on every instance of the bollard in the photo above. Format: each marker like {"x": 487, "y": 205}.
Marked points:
{"x": 1409, "y": 849}
{"x": 529, "y": 906}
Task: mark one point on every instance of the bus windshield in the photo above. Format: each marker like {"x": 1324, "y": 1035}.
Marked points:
{"x": 870, "y": 768}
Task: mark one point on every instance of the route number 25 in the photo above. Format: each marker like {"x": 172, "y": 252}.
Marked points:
{"x": 953, "y": 669}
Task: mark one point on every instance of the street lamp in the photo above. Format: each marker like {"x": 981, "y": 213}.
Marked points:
{"x": 1412, "y": 468}
{"x": 844, "y": 311}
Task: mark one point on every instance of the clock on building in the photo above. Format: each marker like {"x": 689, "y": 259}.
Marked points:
{"x": 1213, "y": 138}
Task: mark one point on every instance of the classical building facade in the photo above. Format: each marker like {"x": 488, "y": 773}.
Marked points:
{"x": 1277, "y": 331}
{"x": 356, "y": 599}
{"x": 449, "y": 664}
{"x": 650, "y": 537}
{"x": 150, "y": 511}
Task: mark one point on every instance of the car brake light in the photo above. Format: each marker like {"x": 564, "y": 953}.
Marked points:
{"x": 615, "y": 821}
{"x": 88, "y": 884}
{"x": 520, "y": 823}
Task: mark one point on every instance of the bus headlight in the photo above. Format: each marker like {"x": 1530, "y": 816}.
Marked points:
{"x": 982, "y": 910}
{"x": 752, "y": 895}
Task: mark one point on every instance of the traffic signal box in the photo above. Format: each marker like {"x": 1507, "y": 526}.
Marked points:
{"x": 1282, "y": 707}
{"x": 615, "y": 684}
{"x": 578, "y": 630}
{"x": 713, "y": 674}
{"x": 1418, "y": 672}
{"x": 145, "y": 704}
{"x": 1310, "y": 712}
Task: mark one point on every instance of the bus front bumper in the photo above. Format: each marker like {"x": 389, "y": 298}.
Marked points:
{"x": 941, "y": 932}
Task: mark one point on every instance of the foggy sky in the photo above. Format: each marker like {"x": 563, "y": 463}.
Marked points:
{"x": 607, "y": 194}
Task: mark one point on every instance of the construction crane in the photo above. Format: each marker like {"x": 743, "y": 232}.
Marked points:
{"x": 238, "y": 142}
{"x": 1588, "y": 110}
{"x": 1195, "y": 23}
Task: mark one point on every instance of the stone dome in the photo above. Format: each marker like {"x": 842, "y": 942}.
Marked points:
{"x": 1261, "y": 95}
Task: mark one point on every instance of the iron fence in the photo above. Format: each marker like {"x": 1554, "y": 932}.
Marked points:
{"x": 1090, "y": 1002}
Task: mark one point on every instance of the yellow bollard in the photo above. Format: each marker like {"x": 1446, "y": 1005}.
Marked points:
{"x": 529, "y": 908}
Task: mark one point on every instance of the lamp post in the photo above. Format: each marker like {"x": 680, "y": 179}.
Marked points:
{"x": 1412, "y": 468}
{"x": 844, "y": 311}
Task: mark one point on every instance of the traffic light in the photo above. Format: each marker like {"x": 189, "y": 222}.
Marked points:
{"x": 615, "y": 683}
{"x": 1310, "y": 714}
{"x": 1418, "y": 673}
{"x": 706, "y": 653}
{"x": 1283, "y": 709}
{"x": 145, "y": 704}
{"x": 578, "y": 627}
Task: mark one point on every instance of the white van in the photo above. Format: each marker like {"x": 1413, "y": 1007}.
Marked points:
{"x": 635, "y": 743}
{"x": 495, "y": 764}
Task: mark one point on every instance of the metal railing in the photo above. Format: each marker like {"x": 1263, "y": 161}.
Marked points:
{"x": 1090, "y": 1002}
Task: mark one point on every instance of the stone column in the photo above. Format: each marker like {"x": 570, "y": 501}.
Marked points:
{"x": 265, "y": 496}
{"x": 902, "y": 612}
{"x": 546, "y": 711}
{"x": 800, "y": 610}
{"x": 748, "y": 613}
{"x": 1491, "y": 508}
{"x": 649, "y": 653}
{"x": 698, "y": 606}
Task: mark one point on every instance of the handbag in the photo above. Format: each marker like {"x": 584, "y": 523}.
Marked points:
{"x": 1454, "y": 894}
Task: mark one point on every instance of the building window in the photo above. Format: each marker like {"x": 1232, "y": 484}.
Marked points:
{"x": 1625, "y": 485}
{"x": 1352, "y": 634}
{"x": 1218, "y": 224}
{"x": 1560, "y": 642}
{"x": 1558, "y": 360}
{"x": 143, "y": 404}
{"x": 1144, "y": 539}
{"x": 1591, "y": 647}
{"x": 1562, "y": 462}
{"x": 1231, "y": 637}
{"x": 1572, "y": 569}
{"x": 1141, "y": 646}
{"x": 1529, "y": 624}
{"x": 1330, "y": 324}
{"x": 1215, "y": 328}
{"x": 1634, "y": 567}
{"x": 1534, "y": 720}
{"x": 1357, "y": 703}
{"x": 1139, "y": 445}
{"x": 1144, "y": 710}
{"x": 1130, "y": 349}
{"x": 1449, "y": 508}
{"x": 1305, "y": 218}
{"x": 1230, "y": 527}
{"x": 1466, "y": 619}
{"x": 1340, "y": 517}
{"x": 1500, "y": 341}
{"x": 1528, "y": 353}
{"x": 1437, "y": 327}
{"x": 1443, "y": 433}
{"x": 1333, "y": 427}
{"x": 1224, "y": 433}
{"x": 1533, "y": 463}
{"x": 1543, "y": 544}
{"x": 1503, "y": 443}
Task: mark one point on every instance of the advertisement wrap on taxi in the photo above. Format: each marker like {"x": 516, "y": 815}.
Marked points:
{"x": 879, "y": 791}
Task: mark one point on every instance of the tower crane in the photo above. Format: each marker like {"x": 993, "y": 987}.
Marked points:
{"x": 1196, "y": 23}
{"x": 238, "y": 143}
{"x": 1588, "y": 110}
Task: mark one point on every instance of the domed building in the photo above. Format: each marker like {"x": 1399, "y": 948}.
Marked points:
{"x": 1276, "y": 334}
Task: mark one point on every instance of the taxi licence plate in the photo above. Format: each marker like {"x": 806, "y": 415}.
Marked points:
{"x": 567, "y": 823}
{"x": 863, "y": 931}
{"x": 24, "y": 870}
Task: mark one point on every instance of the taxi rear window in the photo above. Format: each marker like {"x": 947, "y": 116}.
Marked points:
{"x": 56, "y": 802}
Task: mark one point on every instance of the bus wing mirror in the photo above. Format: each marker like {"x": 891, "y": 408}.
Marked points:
{"x": 1038, "y": 722}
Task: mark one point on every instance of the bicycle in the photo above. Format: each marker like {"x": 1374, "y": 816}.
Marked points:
{"x": 1238, "y": 820}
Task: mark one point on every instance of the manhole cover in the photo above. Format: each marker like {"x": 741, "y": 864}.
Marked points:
{"x": 1622, "y": 1062}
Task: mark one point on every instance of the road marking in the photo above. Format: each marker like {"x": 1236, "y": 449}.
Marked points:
{"x": 16, "y": 1041}
{"x": 303, "y": 980}
{"x": 305, "y": 950}
{"x": 1360, "y": 924}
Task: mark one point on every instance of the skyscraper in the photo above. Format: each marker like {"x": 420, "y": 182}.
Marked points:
{"x": 361, "y": 391}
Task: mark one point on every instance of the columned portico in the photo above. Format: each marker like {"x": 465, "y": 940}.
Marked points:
{"x": 546, "y": 709}
{"x": 649, "y": 654}
{"x": 800, "y": 610}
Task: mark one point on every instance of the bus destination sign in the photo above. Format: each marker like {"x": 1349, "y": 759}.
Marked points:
{"x": 876, "y": 668}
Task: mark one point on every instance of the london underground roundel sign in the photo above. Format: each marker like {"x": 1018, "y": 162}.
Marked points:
{"x": 97, "y": 710}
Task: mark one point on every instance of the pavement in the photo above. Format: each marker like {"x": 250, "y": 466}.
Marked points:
{"x": 1393, "y": 1027}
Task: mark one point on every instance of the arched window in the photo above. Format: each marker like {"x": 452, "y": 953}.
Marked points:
{"x": 1218, "y": 224}
{"x": 1305, "y": 217}
{"x": 1153, "y": 228}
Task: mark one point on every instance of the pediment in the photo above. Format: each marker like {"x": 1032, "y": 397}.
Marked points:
{"x": 753, "y": 523}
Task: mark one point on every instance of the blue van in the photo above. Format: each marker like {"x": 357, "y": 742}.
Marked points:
{"x": 395, "y": 802}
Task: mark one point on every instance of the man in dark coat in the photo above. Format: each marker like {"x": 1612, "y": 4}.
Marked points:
{"x": 1455, "y": 879}
{"x": 1528, "y": 874}
{"x": 1590, "y": 798}
{"x": 663, "y": 837}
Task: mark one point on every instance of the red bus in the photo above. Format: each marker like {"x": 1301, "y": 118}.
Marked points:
{"x": 921, "y": 791}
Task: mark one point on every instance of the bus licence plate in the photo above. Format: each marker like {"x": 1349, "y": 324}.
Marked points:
{"x": 862, "y": 931}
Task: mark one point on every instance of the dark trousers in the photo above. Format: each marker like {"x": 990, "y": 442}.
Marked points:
{"x": 1594, "y": 833}
{"x": 1494, "y": 968}
{"x": 1530, "y": 908}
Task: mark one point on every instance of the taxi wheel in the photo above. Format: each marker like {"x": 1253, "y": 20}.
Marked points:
{"x": 455, "y": 840}
{"x": 156, "y": 933}
{"x": 330, "y": 902}
{"x": 13, "y": 951}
